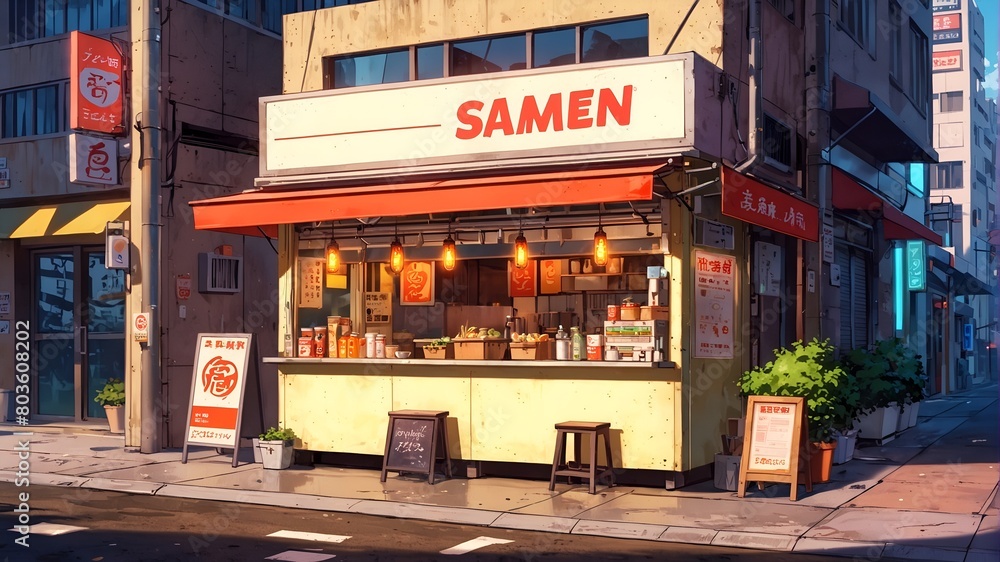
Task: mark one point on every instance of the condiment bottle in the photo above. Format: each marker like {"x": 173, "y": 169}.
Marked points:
{"x": 343, "y": 345}
{"x": 577, "y": 344}
{"x": 562, "y": 345}
{"x": 380, "y": 346}
{"x": 353, "y": 343}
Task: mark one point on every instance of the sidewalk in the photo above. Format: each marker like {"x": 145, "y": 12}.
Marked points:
{"x": 930, "y": 494}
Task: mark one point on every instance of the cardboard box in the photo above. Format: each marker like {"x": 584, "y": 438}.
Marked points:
{"x": 654, "y": 313}
{"x": 727, "y": 472}
{"x": 445, "y": 352}
{"x": 480, "y": 349}
{"x": 533, "y": 351}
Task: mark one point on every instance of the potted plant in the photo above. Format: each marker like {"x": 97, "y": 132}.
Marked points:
{"x": 276, "y": 447}
{"x": 890, "y": 375}
{"x": 809, "y": 371}
{"x": 112, "y": 397}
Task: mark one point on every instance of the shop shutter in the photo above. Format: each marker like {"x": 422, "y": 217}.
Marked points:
{"x": 843, "y": 259}
{"x": 854, "y": 316}
{"x": 859, "y": 296}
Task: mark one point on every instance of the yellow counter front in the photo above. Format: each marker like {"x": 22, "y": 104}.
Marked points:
{"x": 498, "y": 410}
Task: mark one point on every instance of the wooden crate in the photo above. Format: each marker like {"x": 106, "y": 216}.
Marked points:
{"x": 654, "y": 313}
{"x": 445, "y": 352}
{"x": 533, "y": 351}
{"x": 479, "y": 349}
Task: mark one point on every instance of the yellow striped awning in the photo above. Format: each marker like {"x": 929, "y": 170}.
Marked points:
{"x": 82, "y": 217}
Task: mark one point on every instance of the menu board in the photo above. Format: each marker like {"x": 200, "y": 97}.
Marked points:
{"x": 715, "y": 282}
{"x": 776, "y": 431}
{"x": 312, "y": 272}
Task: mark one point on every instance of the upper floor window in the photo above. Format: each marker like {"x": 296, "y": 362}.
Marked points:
{"x": 947, "y": 175}
{"x": 856, "y": 20}
{"x": 895, "y": 25}
{"x": 33, "y": 111}
{"x": 920, "y": 65}
{"x": 35, "y": 19}
{"x": 951, "y": 101}
{"x": 550, "y": 47}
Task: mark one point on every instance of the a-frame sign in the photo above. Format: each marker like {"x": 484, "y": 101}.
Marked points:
{"x": 776, "y": 433}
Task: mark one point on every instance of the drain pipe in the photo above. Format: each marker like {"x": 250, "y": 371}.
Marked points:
{"x": 755, "y": 124}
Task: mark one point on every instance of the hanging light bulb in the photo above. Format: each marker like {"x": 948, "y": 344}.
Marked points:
{"x": 333, "y": 256}
{"x": 600, "y": 244}
{"x": 520, "y": 251}
{"x": 396, "y": 256}
{"x": 449, "y": 253}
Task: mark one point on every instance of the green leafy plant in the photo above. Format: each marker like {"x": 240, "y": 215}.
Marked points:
{"x": 438, "y": 343}
{"x": 113, "y": 393}
{"x": 812, "y": 372}
{"x": 889, "y": 372}
{"x": 276, "y": 434}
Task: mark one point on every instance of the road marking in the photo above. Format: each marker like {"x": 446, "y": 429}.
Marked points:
{"x": 470, "y": 545}
{"x": 52, "y": 529}
{"x": 299, "y": 556}
{"x": 303, "y": 536}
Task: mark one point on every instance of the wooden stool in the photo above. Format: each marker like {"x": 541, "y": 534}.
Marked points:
{"x": 590, "y": 470}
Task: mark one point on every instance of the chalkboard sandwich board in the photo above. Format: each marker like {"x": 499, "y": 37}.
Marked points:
{"x": 413, "y": 442}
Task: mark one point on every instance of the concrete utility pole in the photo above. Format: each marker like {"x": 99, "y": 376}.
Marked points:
{"x": 145, "y": 30}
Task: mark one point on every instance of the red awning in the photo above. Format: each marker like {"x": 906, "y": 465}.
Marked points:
{"x": 249, "y": 213}
{"x": 849, "y": 195}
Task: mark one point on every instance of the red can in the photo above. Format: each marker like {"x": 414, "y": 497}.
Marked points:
{"x": 612, "y": 312}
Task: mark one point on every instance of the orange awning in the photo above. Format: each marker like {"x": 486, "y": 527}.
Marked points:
{"x": 850, "y": 195}
{"x": 249, "y": 213}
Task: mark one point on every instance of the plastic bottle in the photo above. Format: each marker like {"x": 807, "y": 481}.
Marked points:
{"x": 578, "y": 347}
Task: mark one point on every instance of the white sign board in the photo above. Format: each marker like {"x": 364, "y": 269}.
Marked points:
{"x": 828, "y": 242}
{"x": 571, "y": 110}
{"x": 715, "y": 283}
{"x": 774, "y": 427}
{"x": 93, "y": 160}
{"x": 312, "y": 273}
{"x": 140, "y": 327}
{"x": 220, "y": 372}
{"x": 4, "y": 303}
{"x": 769, "y": 266}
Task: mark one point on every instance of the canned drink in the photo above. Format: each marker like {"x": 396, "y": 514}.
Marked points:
{"x": 319, "y": 337}
{"x": 612, "y": 312}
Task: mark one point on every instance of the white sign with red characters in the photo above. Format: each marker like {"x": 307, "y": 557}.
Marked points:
{"x": 140, "y": 327}
{"x": 220, "y": 370}
{"x": 93, "y": 160}
{"x": 183, "y": 286}
{"x": 774, "y": 427}
{"x": 715, "y": 283}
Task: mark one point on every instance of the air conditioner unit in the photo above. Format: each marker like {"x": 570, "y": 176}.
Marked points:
{"x": 219, "y": 274}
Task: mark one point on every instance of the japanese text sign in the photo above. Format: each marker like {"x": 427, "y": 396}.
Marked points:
{"x": 751, "y": 201}
{"x": 416, "y": 283}
{"x": 946, "y": 60}
{"x": 916, "y": 265}
{"x": 947, "y": 28}
{"x": 217, "y": 389}
{"x": 93, "y": 160}
{"x": 523, "y": 282}
{"x": 715, "y": 284}
{"x": 777, "y": 428}
{"x": 96, "y": 93}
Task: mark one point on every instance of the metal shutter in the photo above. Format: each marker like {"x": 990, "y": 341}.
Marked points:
{"x": 859, "y": 296}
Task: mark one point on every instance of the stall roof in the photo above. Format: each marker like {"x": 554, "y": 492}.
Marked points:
{"x": 257, "y": 212}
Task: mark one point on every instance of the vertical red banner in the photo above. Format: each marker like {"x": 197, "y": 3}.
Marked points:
{"x": 96, "y": 86}
{"x": 524, "y": 282}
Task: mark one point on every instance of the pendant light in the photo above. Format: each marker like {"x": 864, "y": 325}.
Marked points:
{"x": 448, "y": 249}
{"x": 396, "y": 254}
{"x": 520, "y": 248}
{"x": 600, "y": 243}
{"x": 333, "y": 255}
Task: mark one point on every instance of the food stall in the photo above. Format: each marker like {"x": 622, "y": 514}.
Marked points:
{"x": 513, "y": 282}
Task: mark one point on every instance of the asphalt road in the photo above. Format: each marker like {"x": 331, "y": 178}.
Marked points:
{"x": 131, "y": 528}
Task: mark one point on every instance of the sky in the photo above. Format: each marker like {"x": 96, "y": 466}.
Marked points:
{"x": 990, "y": 9}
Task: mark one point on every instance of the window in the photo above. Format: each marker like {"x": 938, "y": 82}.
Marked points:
{"x": 555, "y": 47}
{"x": 920, "y": 64}
{"x": 896, "y": 19}
{"x": 947, "y": 175}
{"x": 785, "y": 8}
{"x": 430, "y": 62}
{"x": 616, "y": 40}
{"x": 33, "y": 111}
{"x": 951, "y": 102}
{"x": 35, "y": 19}
{"x": 855, "y": 19}
{"x": 777, "y": 143}
{"x": 916, "y": 178}
{"x": 377, "y": 68}
{"x": 977, "y": 216}
{"x": 941, "y": 221}
{"x": 496, "y": 54}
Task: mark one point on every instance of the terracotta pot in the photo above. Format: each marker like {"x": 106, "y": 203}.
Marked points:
{"x": 821, "y": 461}
{"x": 116, "y": 418}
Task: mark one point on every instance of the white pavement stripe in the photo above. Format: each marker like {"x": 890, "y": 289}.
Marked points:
{"x": 469, "y": 546}
{"x": 52, "y": 529}
{"x": 299, "y": 556}
{"x": 304, "y": 536}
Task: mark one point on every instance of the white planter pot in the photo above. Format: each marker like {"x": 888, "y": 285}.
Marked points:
{"x": 902, "y": 422}
{"x": 276, "y": 454}
{"x": 913, "y": 409}
{"x": 879, "y": 424}
{"x": 846, "y": 443}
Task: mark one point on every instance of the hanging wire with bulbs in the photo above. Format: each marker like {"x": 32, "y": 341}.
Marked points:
{"x": 520, "y": 246}
{"x": 396, "y": 253}
{"x": 449, "y": 254}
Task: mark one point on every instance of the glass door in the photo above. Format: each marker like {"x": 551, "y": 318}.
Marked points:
{"x": 79, "y": 334}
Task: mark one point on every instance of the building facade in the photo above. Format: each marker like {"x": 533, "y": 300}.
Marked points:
{"x": 56, "y": 280}
{"x": 963, "y": 184}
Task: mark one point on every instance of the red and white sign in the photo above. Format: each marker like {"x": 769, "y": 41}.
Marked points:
{"x": 947, "y": 60}
{"x": 523, "y": 282}
{"x": 140, "y": 327}
{"x": 774, "y": 428}
{"x": 217, "y": 389}
{"x": 93, "y": 160}
{"x": 749, "y": 200}
{"x": 715, "y": 285}
{"x": 96, "y": 96}
{"x": 183, "y": 286}
{"x": 571, "y": 110}
{"x": 416, "y": 283}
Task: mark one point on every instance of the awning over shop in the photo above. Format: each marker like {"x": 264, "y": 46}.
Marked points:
{"x": 869, "y": 123}
{"x": 968, "y": 284}
{"x": 252, "y": 212}
{"x": 849, "y": 195}
{"x": 80, "y": 217}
